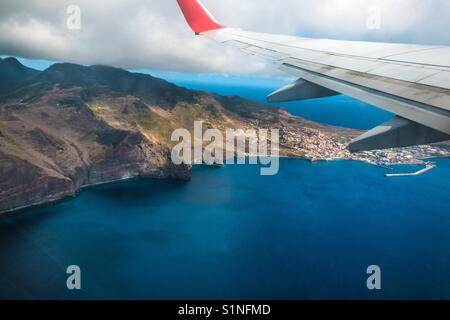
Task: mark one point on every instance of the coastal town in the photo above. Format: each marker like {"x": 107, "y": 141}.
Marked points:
{"x": 319, "y": 146}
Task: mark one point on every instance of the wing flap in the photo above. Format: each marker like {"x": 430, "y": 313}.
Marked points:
{"x": 438, "y": 119}
{"x": 300, "y": 90}
{"x": 397, "y": 132}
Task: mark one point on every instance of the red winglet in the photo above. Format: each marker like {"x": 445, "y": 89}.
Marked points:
{"x": 197, "y": 16}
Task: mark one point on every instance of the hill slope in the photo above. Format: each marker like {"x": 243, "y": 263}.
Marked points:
{"x": 72, "y": 126}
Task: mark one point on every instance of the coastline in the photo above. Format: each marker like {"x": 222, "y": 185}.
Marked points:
{"x": 64, "y": 197}
{"x": 91, "y": 132}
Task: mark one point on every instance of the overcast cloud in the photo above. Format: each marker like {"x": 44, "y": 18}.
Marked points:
{"x": 153, "y": 33}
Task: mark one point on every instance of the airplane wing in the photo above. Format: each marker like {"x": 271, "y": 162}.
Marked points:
{"x": 411, "y": 81}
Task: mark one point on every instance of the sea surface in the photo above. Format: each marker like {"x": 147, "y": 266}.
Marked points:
{"x": 309, "y": 232}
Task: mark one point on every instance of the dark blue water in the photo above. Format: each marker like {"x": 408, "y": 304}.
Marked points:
{"x": 309, "y": 232}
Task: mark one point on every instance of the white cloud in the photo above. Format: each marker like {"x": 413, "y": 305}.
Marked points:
{"x": 153, "y": 33}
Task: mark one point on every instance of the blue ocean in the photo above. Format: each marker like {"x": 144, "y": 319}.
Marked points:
{"x": 309, "y": 232}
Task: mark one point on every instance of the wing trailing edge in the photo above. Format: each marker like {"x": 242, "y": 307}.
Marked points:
{"x": 397, "y": 132}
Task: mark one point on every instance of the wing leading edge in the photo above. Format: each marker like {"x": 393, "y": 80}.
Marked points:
{"x": 411, "y": 81}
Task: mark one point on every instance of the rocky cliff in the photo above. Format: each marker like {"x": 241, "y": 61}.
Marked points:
{"x": 52, "y": 142}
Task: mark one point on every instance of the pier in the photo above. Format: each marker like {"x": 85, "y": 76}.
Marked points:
{"x": 429, "y": 166}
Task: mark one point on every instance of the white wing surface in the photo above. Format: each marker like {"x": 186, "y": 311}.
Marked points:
{"x": 411, "y": 81}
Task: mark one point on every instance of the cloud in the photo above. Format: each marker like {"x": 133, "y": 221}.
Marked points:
{"x": 153, "y": 34}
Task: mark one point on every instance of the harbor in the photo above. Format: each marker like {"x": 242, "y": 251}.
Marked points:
{"x": 429, "y": 166}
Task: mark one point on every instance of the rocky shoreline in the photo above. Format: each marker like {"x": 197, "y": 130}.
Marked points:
{"x": 59, "y": 197}
{"x": 44, "y": 187}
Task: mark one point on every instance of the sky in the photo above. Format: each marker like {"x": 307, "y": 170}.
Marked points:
{"x": 152, "y": 34}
